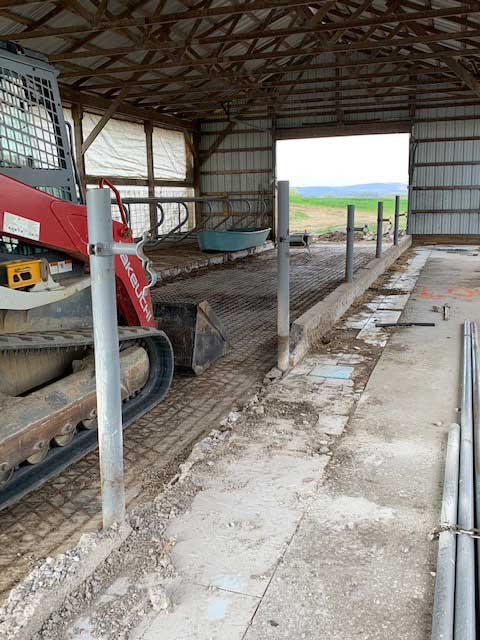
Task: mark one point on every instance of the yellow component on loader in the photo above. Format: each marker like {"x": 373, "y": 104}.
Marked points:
{"x": 16, "y": 274}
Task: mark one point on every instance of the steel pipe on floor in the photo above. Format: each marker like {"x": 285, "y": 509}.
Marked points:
{"x": 444, "y": 602}
{"x": 464, "y": 627}
{"x": 476, "y": 436}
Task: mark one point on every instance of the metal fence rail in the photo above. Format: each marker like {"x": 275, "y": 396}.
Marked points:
{"x": 215, "y": 212}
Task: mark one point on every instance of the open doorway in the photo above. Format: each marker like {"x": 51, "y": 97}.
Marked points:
{"x": 327, "y": 174}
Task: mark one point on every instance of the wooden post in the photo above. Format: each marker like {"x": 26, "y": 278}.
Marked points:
{"x": 148, "y": 126}
{"x": 77, "y": 115}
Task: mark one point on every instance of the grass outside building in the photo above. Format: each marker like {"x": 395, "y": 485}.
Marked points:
{"x": 321, "y": 214}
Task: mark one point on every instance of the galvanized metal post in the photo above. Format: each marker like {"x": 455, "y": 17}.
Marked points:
{"x": 350, "y": 240}
{"x": 476, "y": 432}
{"x": 397, "y": 220}
{"x": 444, "y": 603}
{"x": 283, "y": 287}
{"x": 378, "y": 252}
{"x": 465, "y": 569}
{"x": 107, "y": 359}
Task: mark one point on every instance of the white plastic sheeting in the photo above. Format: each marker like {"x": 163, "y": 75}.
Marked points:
{"x": 169, "y": 154}
{"x": 120, "y": 150}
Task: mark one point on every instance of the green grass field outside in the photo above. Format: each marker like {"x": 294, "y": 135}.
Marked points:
{"x": 323, "y": 214}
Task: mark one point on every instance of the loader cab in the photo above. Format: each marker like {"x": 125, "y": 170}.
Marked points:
{"x": 34, "y": 145}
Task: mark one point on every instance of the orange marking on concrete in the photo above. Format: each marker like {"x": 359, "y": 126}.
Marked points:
{"x": 464, "y": 293}
{"x": 431, "y": 296}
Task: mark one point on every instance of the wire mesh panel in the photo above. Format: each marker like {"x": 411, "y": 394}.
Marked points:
{"x": 34, "y": 147}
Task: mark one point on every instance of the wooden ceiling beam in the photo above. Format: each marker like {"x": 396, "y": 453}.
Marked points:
{"x": 310, "y": 111}
{"x": 99, "y": 104}
{"x": 168, "y": 18}
{"x": 221, "y": 95}
{"x": 464, "y": 74}
{"x": 437, "y": 55}
{"x": 406, "y": 90}
{"x": 249, "y": 77}
{"x": 178, "y": 46}
{"x": 454, "y": 65}
{"x": 382, "y": 100}
{"x": 22, "y": 3}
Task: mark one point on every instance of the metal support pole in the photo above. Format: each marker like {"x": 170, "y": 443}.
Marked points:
{"x": 476, "y": 431}
{"x": 397, "y": 220}
{"x": 283, "y": 290}
{"x": 350, "y": 239}
{"x": 378, "y": 252}
{"x": 465, "y": 569}
{"x": 107, "y": 359}
{"x": 444, "y": 603}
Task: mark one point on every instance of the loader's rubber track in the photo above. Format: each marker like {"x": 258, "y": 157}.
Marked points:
{"x": 160, "y": 354}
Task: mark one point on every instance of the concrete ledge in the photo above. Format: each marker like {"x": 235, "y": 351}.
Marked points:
{"x": 318, "y": 320}
{"x": 44, "y": 590}
{"x": 214, "y": 259}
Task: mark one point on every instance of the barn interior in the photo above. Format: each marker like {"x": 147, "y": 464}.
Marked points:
{"x": 282, "y": 494}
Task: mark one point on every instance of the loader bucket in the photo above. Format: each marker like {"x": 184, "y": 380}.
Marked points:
{"x": 196, "y": 333}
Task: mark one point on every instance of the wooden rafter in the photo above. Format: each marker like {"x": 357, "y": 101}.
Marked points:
{"x": 169, "y": 18}
{"x": 179, "y": 46}
{"x": 261, "y": 57}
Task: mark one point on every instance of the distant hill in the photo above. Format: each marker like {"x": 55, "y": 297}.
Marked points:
{"x": 370, "y": 190}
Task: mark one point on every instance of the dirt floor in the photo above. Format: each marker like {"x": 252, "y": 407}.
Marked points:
{"x": 243, "y": 296}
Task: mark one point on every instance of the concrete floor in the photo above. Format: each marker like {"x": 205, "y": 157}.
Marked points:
{"x": 311, "y": 521}
{"x": 243, "y": 294}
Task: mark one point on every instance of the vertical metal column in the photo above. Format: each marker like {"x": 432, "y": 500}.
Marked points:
{"x": 350, "y": 240}
{"x": 107, "y": 359}
{"x": 465, "y": 569}
{"x": 283, "y": 286}
{"x": 476, "y": 433}
{"x": 444, "y": 603}
{"x": 378, "y": 252}
{"x": 397, "y": 220}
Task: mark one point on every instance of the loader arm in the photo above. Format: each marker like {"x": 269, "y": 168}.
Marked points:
{"x": 42, "y": 219}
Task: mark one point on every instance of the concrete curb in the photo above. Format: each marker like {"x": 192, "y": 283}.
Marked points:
{"x": 213, "y": 260}
{"x": 45, "y": 589}
{"x": 320, "y": 318}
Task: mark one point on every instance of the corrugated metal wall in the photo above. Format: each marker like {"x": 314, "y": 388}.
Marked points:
{"x": 241, "y": 166}
{"x": 444, "y": 164}
{"x": 445, "y": 172}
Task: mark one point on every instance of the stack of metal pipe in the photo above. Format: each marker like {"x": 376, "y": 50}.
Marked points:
{"x": 458, "y": 575}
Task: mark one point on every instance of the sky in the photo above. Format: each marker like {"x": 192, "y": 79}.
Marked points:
{"x": 343, "y": 161}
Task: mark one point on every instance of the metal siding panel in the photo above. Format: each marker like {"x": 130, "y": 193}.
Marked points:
{"x": 457, "y": 151}
{"x": 237, "y": 162}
